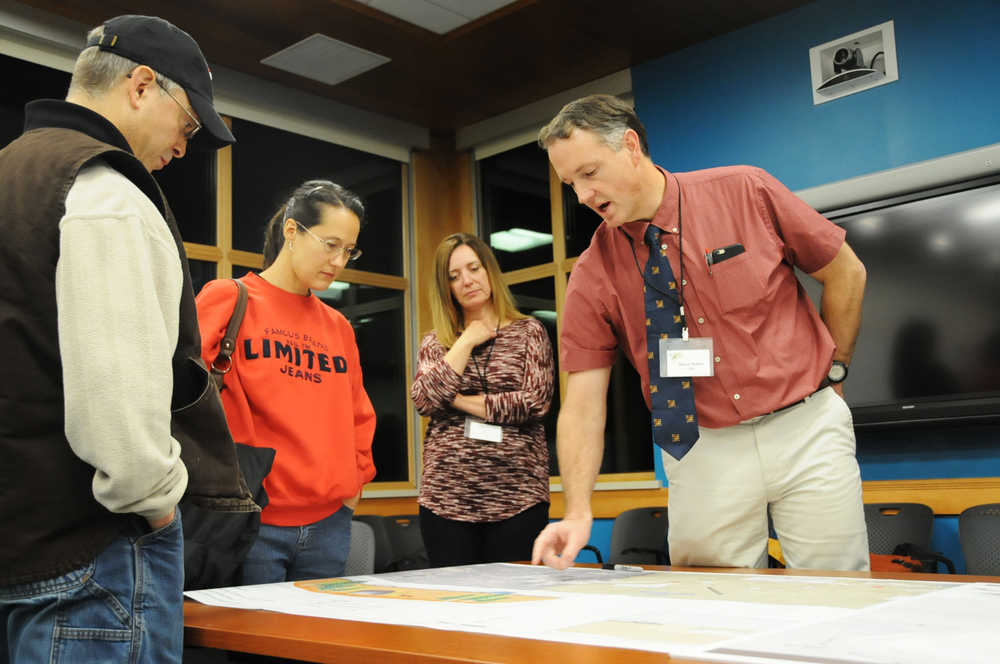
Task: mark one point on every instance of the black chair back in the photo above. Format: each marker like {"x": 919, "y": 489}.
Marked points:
{"x": 408, "y": 551}
{"x": 892, "y": 524}
{"x": 639, "y": 536}
{"x": 361, "y": 555}
{"x": 979, "y": 533}
{"x": 383, "y": 547}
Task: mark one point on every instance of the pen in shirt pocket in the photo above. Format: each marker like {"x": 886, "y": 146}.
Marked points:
{"x": 716, "y": 256}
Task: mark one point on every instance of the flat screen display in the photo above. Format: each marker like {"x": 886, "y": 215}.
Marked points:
{"x": 929, "y": 346}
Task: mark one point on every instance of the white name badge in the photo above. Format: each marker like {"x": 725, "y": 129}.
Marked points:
{"x": 681, "y": 358}
{"x": 476, "y": 429}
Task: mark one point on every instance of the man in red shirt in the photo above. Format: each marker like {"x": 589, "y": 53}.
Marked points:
{"x": 772, "y": 431}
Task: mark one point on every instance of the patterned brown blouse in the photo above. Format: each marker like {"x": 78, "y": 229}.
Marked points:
{"x": 476, "y": 480}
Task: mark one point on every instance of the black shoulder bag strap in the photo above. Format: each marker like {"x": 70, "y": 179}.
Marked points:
{"x": 223, "y": 362}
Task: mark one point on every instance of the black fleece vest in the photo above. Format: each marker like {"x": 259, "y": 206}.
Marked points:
{"x": 50, "y": 522}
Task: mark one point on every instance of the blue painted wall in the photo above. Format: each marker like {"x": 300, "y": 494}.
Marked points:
{"x": 745, "y": 98}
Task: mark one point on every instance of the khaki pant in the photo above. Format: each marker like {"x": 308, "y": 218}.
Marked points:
{"x": 800, "y": 462}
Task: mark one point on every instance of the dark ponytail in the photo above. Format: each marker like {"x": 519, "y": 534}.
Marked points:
{"x": 274, "y": 236}
{"x": 306, "y": 207}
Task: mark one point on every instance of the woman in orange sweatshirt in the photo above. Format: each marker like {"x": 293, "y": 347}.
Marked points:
{"x": 295, "y": 385}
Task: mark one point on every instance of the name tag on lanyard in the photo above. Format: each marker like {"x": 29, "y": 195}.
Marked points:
{"x": 477, "y": 429}
{"x": 683, "y": 358}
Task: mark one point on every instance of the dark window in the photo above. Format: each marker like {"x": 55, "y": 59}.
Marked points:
{"x": 628, "y": 434}
{"x": 514, "y": 191}
{"x": 381, "y": 236}
{"x": 538, "y": 299}
{"x": 189, "y": 186}
{"x": 202, "y": 272}
{"x": 517, "y": 218}
{"x": 269, "y": 163}
{"x": 377, "y": 315}
{"x": 581, "y": 222}
{"x": 23, "y": 82}
{"x": 241, "y": 270}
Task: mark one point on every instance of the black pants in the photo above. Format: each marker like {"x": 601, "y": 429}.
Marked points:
{"x": 450, "y": 542}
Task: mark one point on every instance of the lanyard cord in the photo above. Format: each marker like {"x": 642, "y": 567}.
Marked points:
{"x": 679, "y": 298}
{"x": 486, "y": 364}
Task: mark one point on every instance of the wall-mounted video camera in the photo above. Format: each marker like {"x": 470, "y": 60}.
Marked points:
{"x": 848, "y": 58}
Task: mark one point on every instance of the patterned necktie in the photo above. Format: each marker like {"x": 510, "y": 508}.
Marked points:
{"x": 675, "y": 424}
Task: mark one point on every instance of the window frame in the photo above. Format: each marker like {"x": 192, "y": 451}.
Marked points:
{"x": 559, "y": 269}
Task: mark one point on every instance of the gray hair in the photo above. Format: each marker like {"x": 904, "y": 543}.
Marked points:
{"x": 606, "y": 116}
{"x": 97, "y": 71}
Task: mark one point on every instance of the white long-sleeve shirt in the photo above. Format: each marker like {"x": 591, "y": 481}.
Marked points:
{"x": 118, "y": 289}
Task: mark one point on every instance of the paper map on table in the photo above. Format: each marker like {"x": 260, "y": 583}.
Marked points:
{"x": 726, "y": 617}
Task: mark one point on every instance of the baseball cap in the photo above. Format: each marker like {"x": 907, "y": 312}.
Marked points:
{"x": 168, "y": 50}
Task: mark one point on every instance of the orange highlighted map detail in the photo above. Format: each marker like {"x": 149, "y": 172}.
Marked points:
{"x": 354, "y": 589}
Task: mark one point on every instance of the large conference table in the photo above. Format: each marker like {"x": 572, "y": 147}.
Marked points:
{"x": 348, "y": 642}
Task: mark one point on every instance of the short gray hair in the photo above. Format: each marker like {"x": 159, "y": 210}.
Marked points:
{"x": 97, "y": 71}
{"x": 607, "y": 116}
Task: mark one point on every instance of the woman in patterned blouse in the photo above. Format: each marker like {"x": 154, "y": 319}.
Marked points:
{"x": 485, "y": 381}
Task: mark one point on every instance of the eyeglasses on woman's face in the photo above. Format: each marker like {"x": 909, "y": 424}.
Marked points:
{"x": 334, "y": 248}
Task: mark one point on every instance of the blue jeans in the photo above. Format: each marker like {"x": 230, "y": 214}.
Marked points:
{"x": 294, "y": 553}
{"x": 126, "y": 605}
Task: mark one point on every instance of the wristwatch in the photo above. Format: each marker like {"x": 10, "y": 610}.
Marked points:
{"x": 837, "y": 373}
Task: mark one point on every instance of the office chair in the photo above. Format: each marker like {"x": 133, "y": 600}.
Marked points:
{"x": 383, "y": 547}
{"x": 406, "y": 542}
{"x": 640, "y": 536}
{"x": 361, "y": 556}
{"x": 892, "y": 524}
{"x": 979, "y": 533}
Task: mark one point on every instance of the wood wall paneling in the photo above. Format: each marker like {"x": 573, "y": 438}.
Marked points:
{"x": 947, "y": 497}
{"x": 443, "y": 203}
{"x": 224, "y": 208}
{"x": 557, "y": 210}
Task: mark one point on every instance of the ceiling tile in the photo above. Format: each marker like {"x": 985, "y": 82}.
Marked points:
{"x": 472, "y": 9}
{"x": 427, "y": 15}
{"x": 325, "y": 59}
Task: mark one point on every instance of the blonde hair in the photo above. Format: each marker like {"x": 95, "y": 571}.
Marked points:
{"x": 449, "y": 320}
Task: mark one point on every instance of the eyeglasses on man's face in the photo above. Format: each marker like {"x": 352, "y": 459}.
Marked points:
{"x": 190, "y": 128}
{"x": 333, "y": 247}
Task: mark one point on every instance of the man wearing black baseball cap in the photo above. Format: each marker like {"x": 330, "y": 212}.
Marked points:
{"x": 172, "y": 53}
{"x": 106, "y": 414}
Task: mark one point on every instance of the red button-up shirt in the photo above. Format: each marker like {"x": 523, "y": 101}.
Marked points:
{"x": 771, "y": 347}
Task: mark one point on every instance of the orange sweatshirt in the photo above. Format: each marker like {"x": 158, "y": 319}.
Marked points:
{"x": 295, "y": 386}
